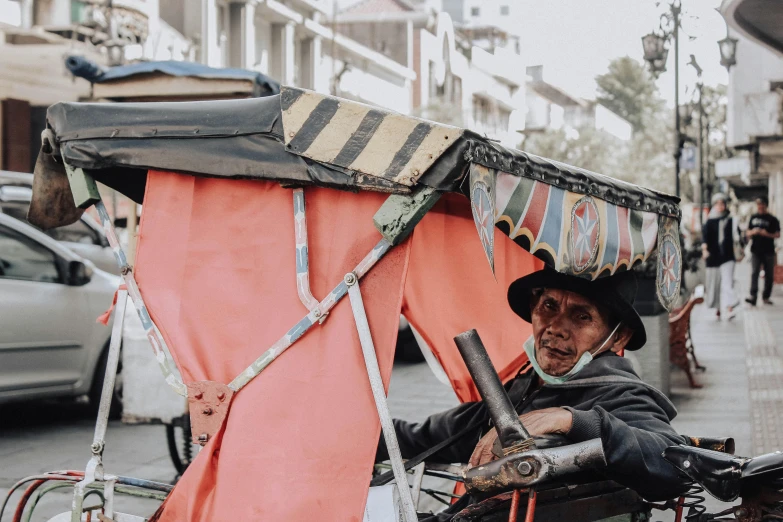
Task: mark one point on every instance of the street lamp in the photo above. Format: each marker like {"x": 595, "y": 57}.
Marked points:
{"x": 655, "y": 54}
{"x": 728, "y": 51}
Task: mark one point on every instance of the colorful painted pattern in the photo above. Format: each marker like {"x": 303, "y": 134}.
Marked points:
{"x": 153, "y": 334}
{"x": 482, "y": 203}
{"x": 300, "y": 328}
{"x": 302, "y": 252}
{"x": 362, "y": 138}
{"x": 583, "y": 235}
{"x": 669, "y": 262}
{"x": 573, "y": 233}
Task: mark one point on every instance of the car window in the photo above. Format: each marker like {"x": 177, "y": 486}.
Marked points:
{"x": 79, "y": 232}
{"x": 23, "y": 258}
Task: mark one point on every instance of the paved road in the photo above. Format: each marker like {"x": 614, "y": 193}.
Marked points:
{"x": 46, "y": 436}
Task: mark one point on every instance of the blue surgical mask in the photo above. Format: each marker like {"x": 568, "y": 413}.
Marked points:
{"x": 530, "y": 350}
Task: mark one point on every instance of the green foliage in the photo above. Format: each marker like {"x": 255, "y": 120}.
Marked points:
{"x": 648, "y": 158}
{"x": 629, "y": 91}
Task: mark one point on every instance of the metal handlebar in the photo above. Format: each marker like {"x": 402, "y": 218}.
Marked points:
{"x": 512, "y": 434}
{"x": 522, "y": 470}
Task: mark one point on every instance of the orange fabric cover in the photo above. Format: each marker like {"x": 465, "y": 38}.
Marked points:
{"x": 450, "y": 289}
{"x": 216, "y": 266}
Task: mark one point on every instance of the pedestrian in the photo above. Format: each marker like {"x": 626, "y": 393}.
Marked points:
{"x": 763, "y": 229}
{"x": 718, "y": 238}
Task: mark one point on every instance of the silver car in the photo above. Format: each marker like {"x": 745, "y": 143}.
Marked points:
{"x": 50, "y": 342}
{"x": 85, "y": 237}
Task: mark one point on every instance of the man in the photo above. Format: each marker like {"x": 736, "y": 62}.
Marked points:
{"x": 763, "y": 229}
{"x": 576, "y": 386}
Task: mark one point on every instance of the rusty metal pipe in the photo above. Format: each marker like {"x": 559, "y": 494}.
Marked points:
{"x": 514, "y": 509}
{"x": 537, "y": 466}
{"x": 532, "y": 497}
{"x": 511, "y": 432}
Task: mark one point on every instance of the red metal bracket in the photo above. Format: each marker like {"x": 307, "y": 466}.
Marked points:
{"x": 208, "y": 402}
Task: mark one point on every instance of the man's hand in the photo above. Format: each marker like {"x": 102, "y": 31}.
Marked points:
{"x": 548, "y": 420}
{"x": 538, "y": 422}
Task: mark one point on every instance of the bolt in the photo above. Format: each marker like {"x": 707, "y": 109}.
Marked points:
{"x": 96, "y": 447}
{"x": 207, "y": 411}
{"x": 740, "y": 513}
{"x": 686, "y": 464}
{"x": 290, "y": 134}
{"x": 316, "y": 313}
{"x": 203, "y": 438}
{"x": 350, "y": 279}
{"x": 198, "y": 396}
{"x": 221, "y": 396}
{"x": 525, "y": 468}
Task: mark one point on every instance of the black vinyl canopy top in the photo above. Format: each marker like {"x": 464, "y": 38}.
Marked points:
{"x": 278, "y": 138}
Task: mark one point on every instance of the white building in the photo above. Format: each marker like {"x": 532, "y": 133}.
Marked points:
{"x": 755, "y": 102}
{"x": 290, "y": 41}
{"x": 293, "y": 43}
{"x": 551, "y": 108}
{"x": 457, "y": 82}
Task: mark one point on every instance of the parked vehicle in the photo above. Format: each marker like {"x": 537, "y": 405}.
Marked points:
{"x": 85, "y": 237}
{"x": 50, "y": 342}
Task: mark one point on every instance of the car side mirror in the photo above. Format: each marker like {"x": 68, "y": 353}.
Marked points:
{"x": 79, "y": 274}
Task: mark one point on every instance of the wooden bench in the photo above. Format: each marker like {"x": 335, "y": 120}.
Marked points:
{"x": 681, "y": 351}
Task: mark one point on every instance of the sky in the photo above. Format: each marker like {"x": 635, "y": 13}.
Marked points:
{"x": 576, "y": 39}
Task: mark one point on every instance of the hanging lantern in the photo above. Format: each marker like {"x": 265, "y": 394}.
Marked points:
{"x": 728, "y": 52}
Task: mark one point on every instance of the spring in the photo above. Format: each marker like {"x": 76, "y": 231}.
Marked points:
{"x": 694, "y": 501}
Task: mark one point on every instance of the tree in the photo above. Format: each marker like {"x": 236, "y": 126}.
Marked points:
{"x": 629, "y": 91}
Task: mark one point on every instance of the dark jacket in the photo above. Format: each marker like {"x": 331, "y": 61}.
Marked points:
{"x": 607, "y": 400}
{"x": 719, "y": 252}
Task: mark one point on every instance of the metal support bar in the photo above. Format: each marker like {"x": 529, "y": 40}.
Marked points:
{"x": 300, "y": 328}
{"x": 379, "y": 394}
{"x": 94, "y": 470}
{"x": 511, "y": 432}
{"x": 302, "y": 253}
{"x": 418, "y": 477}
{"x": 110, "y": 376}
{"x": 153, "y": 335}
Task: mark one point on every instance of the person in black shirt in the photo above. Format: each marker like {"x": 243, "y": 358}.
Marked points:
{"x": 763, "y": 229}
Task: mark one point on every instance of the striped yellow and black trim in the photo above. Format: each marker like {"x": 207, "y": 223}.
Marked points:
{"x": 358, "y": 137}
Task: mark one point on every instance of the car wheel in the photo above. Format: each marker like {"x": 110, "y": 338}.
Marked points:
{"x": 115, "y": 411}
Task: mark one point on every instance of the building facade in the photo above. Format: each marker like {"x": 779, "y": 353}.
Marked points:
{"x": 457, "y": 81}
{"x": 551, "y": 108}
{"x": 755, "y": 103}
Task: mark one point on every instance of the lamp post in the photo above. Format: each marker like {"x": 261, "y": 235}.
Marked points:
{"x": 655, "y": 54}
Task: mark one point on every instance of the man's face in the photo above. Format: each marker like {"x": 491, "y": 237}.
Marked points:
{"x": 761, "y": 207}
{"x": 566, "y": 325}
{"x": 720, "y": 205}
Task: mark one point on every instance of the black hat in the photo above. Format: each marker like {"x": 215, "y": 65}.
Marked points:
{"x": 616, "y": 293}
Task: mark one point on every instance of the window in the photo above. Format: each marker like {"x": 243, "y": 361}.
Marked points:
{"x": 504, "y": 10}
{"x": 475, "y": 11}
{"x": 24, "y": 259}
{"x": 79, "y": 232}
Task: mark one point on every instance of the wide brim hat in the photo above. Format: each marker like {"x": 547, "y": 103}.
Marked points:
{"x": 616, "y": 293}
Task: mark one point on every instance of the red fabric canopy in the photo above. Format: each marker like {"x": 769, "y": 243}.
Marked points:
{"x": 216, "y": 267}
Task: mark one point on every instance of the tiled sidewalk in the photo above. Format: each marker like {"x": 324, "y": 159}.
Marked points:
{"x": 742, "y": 393}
